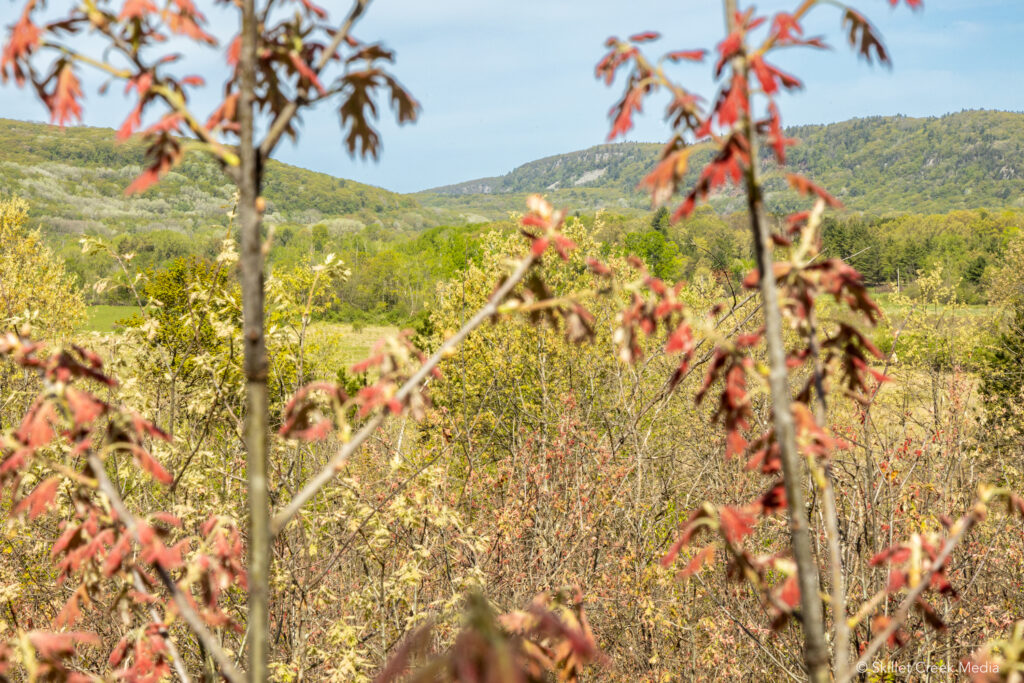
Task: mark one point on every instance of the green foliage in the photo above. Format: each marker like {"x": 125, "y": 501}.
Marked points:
{"x": 75, "y": 178}
{"x": 397, "y": 258}
{"x": 900, "y": 248}
{"x": 35, "y": 288}
{"x": 879, "y": 164}
{"x": 658, "y": 252}
{"x": 1002, "y": 382}
{"x": 168, "y": 295}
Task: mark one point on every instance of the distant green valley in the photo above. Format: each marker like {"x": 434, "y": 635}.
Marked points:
{"x": 921, "y": 194}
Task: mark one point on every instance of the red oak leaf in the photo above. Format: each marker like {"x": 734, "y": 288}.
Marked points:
{"x": 805, "y": 186}
{"x": 136, "y": 9}
{"x": 307, "y": 73}
{"x": 774, "y": 499}
{"x": 736, "y": 523}
{"x": 40, "y": 499}
{"x": 703, "y": 557}
{"x": 64, "y": 102}
{"x": 25, "y": 37}
{"x": 790, "y": 593}
{"x": 689, "y": 55}
{"x": 644, "y": 37}
{"x": 234, "y": 50}
{"x": 623, "y": 111}
{"x": 150, "y": 464}
{"x": 84, "y": 406}
{"x": 727, "y": 49}
{"x": 60, "y": 645}
{"x": 185, "y": 21}
{"x": 786, "y": 27}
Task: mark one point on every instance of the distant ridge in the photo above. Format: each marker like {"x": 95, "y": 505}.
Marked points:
{"x": 617, "y": 165}
{"x": 968, "y": 159}
{"x": 74, "y": 181}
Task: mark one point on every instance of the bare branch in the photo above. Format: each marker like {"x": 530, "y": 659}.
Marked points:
{"x": 194, "y": 621}
{"x": 332, "y": 467}
{"x": 962, "y": 527}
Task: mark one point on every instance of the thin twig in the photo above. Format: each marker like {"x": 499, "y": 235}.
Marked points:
{"x": 281, "y": 519}
{"x": 281, "y": 123}
{"x": 964, "y": 525}
{"x": 195, "y": 622}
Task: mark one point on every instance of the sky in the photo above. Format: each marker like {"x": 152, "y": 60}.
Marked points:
{"x": 504, "y": 82}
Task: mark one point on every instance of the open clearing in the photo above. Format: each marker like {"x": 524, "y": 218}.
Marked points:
{"x": 104, "y": 318}
{"x": 337, "y": 344}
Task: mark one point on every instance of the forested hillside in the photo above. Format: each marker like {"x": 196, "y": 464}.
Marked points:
{"x": 74, "y": 180}
{"x": 877, "y": 165}
{"x": 399, "y": 248}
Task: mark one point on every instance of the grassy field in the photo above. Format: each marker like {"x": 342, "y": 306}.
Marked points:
{"x": 337, "y": 344}
{"x": 102, "y": 318}
{"x": 340, "y": 345}
{"x": 886, "y": 303}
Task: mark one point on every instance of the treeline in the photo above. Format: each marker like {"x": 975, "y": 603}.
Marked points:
{"x": 966, "y": 246}
{"x": 394, "y": 274}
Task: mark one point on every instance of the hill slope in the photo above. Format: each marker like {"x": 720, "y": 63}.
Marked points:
{"x": 74, "y": 181}
{"x": 893, "y": 163}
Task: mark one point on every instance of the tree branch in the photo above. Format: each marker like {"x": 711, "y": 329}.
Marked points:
{"x": 332, "y": 467}
{"x": 963, "y": 526}
{"x": 194, "y": 621}
{"x": 815, "y": 648}
{"x": 280, "y": 124}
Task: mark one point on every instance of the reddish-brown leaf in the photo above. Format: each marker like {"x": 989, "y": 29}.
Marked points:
{"x": 790, "y": 593}
{"x": 36, "y": 428}
{"x": 305, "y": 72}
{"x": 25, "y": 37}
{"x": 71, "y": 611}
{"x": 148, "y": 463}
{"x": 806, "y": 187}
{"x": 681, "y": 339}
{"x": 622, "y": 113}
{"x": 863, "y": 36}
{"x": 136, "y": 9}
{"x": 63, "y": 102}
{"x": 703, "y": 557}
{"x": 183, "y": 18}
{"x": 118, "y": 653}
{"x": 735, "y": 444}
{"x": 644, "y": 37}
{"x": 40, "y": 499}
{"x": 689, "y": 55}
{"x": 774, "y": 499}
{"x": 736, "y": 523}
{"x": 59, "y": 645}
{"x": 728, "y": 49}
{"x": 84, "y": 406}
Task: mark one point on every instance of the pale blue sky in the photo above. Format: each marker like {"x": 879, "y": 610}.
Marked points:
{"x": 503, "y": 82}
